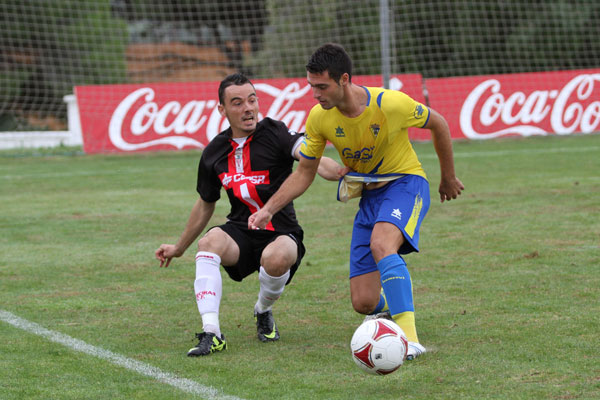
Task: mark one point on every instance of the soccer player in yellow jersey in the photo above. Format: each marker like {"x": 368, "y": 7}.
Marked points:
{"x": 368, "y": 127}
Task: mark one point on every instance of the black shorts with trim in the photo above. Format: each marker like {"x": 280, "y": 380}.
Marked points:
{"x": 251, "y": 244}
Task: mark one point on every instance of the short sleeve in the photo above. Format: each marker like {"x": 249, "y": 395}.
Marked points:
{"x": 314, "y": 142}
{"x": 208, "y": 185}
{"x": 288, "y": 139}
{"x": 403, "y": 111}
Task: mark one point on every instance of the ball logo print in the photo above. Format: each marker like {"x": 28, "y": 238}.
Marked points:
{"x": 379, "y": 346}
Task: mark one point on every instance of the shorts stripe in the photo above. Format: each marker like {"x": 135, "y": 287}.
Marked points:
{"x": 414, "y": 217}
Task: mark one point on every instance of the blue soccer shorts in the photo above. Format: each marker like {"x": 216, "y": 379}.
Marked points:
{"x": 402, "y": 202}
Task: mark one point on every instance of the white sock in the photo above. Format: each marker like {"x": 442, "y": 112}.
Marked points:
{"x": 208, "y": 287}
{"x": 270, "y": 289}
{"x": 210, "y": 323}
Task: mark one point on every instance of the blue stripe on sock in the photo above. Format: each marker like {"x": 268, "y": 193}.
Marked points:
{"x": 380, "y": 305}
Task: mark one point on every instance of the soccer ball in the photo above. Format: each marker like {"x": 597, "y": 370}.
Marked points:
{"x": 379, "y": 346}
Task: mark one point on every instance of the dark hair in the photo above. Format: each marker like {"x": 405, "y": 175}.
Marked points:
{"x": 330, "y": 57}
{"x": 237, "y": 79}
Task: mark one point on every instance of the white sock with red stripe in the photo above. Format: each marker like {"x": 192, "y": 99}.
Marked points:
{"x": 208, "y": 287}
{"x": 271, "y": 288}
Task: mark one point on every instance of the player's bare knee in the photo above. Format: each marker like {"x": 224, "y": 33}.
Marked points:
{"x": 362, "y": 307}
{"x": 277, "y": 266}
{"x": 213, "y": 241}
{"x": 379, "y": 249}
{"x": 361, "y": 302}
{"x": 278, "y": 258}
{"x": 277, "y": 272}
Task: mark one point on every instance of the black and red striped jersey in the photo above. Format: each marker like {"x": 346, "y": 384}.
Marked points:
{"x": 251, "y": 171}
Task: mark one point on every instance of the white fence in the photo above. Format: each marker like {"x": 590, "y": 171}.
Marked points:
{"x": 72, "y": 137}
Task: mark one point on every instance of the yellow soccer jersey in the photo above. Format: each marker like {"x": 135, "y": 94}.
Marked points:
{"x": 375, "y": 142}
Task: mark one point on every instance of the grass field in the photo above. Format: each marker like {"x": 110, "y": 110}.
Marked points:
{"x": 507, "y": 284}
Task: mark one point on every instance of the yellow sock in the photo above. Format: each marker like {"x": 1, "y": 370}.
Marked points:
{"x": 406, "y": 321}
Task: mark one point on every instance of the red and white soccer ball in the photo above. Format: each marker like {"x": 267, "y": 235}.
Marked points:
{"x": 379, "y": 346}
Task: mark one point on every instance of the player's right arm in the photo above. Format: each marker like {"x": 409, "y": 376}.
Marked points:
{"x": 292, "y": 187}
{"x": 329, "y": 169}
{"x": 201, "y": 213}
{"x": 450, "y": 186}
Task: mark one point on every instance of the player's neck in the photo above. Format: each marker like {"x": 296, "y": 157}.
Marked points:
{"x": 238, "y": 134}
{"x": 354, "y": 103}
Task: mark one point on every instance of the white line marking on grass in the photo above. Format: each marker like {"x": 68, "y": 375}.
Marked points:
{"x": 184, "y": 384}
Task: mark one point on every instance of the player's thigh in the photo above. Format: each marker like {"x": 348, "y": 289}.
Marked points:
{"x": 365, "y": 291}
{"x": 279, "y": 255}
{"x": 218, "y": 242}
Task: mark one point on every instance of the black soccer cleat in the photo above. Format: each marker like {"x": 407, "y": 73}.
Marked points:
{"x": 265, "y": 327}
{"x": 207, "y": 343}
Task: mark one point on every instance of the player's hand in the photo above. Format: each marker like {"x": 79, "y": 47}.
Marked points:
{"x": 331, "y": 170}
{"x": 165, "y": 254}
{"x": 259, "y": 219}
{"x": 450, "y": 189}
{"x": 342, "y": 171}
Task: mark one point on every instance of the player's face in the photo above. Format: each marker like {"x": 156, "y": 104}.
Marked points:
{"x": 241, "y": 109}
{"x": 327, "y": 91}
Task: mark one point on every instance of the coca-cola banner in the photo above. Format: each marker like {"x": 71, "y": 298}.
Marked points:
{"x": 484, "y": 107}
{"x": 173, "y": 116}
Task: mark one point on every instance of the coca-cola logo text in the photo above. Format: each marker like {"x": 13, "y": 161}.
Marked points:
{"x": 177, "y": 122}
{"x": 570, "y": 109}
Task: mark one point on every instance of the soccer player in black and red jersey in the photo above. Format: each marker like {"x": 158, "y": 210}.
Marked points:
{"x": 250, "y": 159}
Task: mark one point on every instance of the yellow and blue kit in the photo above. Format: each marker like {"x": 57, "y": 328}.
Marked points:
{"x": 375, "y": 142}
{"x": 375, "y": 145}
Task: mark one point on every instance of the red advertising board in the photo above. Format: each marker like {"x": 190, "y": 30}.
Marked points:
{"x": 174, "y": 116}
{"x": 483, "y": 107}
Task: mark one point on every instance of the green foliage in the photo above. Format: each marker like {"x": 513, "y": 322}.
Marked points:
{"x": 435, "y": 38}
{"x": 320, "y": 22}
{"x": 477, "y": 37}
{"x": 506, "y": 284}
{"x": 47, "y": 47}
{"x": 560, "y": 37}
{"x": 68, "y": 43}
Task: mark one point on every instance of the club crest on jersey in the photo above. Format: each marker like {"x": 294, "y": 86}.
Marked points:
{"x": 375, "y": 129}
{"x": 419, "y": 110}
{"x": 339, "y": 132}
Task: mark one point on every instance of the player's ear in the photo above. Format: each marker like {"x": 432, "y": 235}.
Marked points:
{"x": 221, "y": 109}
{"x": 344, "y": 79}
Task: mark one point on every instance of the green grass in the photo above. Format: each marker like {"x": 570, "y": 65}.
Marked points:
{"x": 507, "y": 284}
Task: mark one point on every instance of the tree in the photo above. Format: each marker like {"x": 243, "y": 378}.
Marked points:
{"x": 232, "y": 24}
{"x": 49, "y": 47}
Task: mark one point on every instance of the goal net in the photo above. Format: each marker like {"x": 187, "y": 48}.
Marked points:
{"x": 49, "y": 47}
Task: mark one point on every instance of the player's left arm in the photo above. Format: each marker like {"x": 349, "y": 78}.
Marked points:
{"x": 450, "y": 186}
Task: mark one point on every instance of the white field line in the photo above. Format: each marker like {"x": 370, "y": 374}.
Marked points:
{"x": 183, "y": 384}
